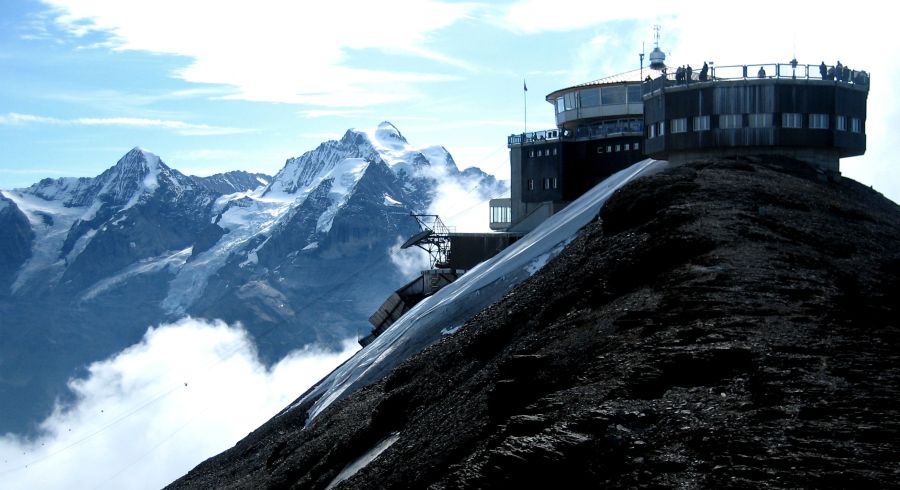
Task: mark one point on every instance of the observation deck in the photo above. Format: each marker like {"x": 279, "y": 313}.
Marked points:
{"x": 814, "y": 113}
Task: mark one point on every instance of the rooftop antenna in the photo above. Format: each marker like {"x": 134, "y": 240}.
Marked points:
{"x": 643, "y": 48}
{"x": 657, "y": 57}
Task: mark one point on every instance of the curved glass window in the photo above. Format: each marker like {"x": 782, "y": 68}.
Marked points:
{"x": 612, "y": 95}
{"x": 570, "y": 101}
{"x": 634, "y": 94}
{"x": 590, "y": 97}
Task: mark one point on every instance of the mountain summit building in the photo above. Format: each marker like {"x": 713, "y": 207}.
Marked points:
{"x": 813, "y": 113}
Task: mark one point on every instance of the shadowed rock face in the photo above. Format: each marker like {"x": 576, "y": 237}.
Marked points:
{"x": 724, "y": 324}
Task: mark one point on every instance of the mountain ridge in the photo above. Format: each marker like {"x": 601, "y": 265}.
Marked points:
{"x": 143, "y": 244}
{"x": 724, "y": 323}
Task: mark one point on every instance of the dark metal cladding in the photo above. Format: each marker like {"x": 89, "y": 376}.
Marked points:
{"x": 810, "y": 117}
{"x": 470, "y": 249}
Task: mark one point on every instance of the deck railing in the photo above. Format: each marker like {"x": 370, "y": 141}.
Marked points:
{"x": 790, "y": 71}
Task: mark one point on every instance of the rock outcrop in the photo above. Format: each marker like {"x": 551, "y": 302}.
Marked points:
{"x": 729, "y": 323}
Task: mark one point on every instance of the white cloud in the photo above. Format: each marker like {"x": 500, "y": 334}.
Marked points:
{"x": 410, "y": 261}
{"x": 460, "y": 201}
{"x": 152, "y": 412}
{"x": 277, "y": 50}
{"x": 13, "y": 118}
{"x": 181, "y": 127}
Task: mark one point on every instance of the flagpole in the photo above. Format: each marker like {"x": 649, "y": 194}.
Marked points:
{"x": 525, "y": 102}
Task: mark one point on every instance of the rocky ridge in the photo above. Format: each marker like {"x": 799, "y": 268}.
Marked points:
{"x": 726, "y": 323}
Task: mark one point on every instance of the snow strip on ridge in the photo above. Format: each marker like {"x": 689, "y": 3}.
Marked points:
{"x": 459, "y": 301}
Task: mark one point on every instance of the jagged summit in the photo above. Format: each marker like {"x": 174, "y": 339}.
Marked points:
{"x": 385, "y": 143}
{"x": 388, "y": 135}
{"x": 137, "y": 171}
{"x": 134, "y": 174}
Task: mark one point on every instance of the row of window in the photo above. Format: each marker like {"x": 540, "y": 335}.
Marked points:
{"x": 735, "y": 121}
{"x": 619, "y": 147}
{"x": 597, "y": 96}
{"x": 549, "y": 183}
{"x": 544, "y": 152}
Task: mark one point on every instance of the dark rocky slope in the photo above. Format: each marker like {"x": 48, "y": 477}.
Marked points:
{"x": 724, "y": 324}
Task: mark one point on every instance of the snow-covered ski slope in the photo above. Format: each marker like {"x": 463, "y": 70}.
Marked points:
{"x": 449, "y": 308}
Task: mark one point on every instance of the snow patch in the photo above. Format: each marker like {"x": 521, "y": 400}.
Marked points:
{"x": 540, "y": 261}
{"x": 168, "y": 260}
{"x": 80, "y": 245}
{"x": 390, "y": 201}
{"x": 311, "y": 246}
{"x": 344, "y": 177}
{"x": 370, "y": 455}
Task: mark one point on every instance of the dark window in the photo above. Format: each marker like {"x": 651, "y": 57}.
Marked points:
{"x": 590, "y": 97}
{"x": 730, "y": 121}
{"x": 612, "y": 95}
{"x": 791, "y": 120}
{"x": 759, "y": 120}
{"x": 634, "y": 94}
{"x": 818, "y": 121}
{"x": 701, "y": 123}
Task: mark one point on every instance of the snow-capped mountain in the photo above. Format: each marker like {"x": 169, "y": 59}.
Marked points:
{"x": 300, "y": 258}
{"x": 231, "y": 182}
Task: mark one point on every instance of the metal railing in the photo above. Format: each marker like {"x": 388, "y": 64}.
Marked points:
{"x": 790, "y": 71}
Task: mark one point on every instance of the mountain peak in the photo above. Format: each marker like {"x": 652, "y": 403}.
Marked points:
{"x": 389, "y": 136}
{"x": 139, "y": 156}
{"x": 136, "y": 173}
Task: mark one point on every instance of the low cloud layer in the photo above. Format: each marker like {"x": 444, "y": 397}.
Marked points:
{"x": 149, "y": 414}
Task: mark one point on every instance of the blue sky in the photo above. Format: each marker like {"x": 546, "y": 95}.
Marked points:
{"x": 212, "y": 86}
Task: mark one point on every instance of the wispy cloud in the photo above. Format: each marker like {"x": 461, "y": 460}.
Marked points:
{"x": 314, "y": 113}
{"x": 181, "y": 127}
{"x": 280, "y": 50}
